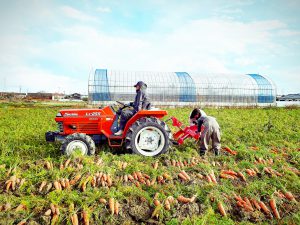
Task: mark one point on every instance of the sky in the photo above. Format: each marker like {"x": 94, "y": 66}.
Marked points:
{"x": 54, "y": 46}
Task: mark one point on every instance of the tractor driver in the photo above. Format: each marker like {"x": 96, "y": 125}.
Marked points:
{"x": 141, "y": 102}
{"x": 210, "y": 129}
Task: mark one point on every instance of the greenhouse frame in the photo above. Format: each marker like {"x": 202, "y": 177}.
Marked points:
{"x": 183, "y": 88}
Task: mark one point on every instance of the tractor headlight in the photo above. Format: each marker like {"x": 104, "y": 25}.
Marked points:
{"x": 73, "y": 127}
{"x": 58, "y": 115}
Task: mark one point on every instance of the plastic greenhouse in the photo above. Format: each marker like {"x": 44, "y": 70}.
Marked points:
{"x": 183, "y": 88}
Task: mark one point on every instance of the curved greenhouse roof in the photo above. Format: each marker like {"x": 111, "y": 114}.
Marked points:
{"x": 183, "y": 88}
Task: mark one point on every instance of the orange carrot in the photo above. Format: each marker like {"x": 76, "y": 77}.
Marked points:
{"x": 155, "y": 165}
{"x": 229, "y": 172}
{"x": 264, "y": 207}
{"x": 102, "y": 200}
{"x": 167, "y": 176}
{"x": 183, "y": 199}
{"x": 54, "y": 219}
{"x": 111, "y": 203}
{"x": 116, "y": 208}
{"x": 255, "y": 203}
{"x": 180, "y": 175}
{"x": 248, "y": 203}
{"x": 85, "y": 217}
{"x": 74, "y": 219}
{"x": 23, "y": 222}
{"x": 226, "y": 176}
{"x": 221, "y": 209}
{"x": 167, "y": 205}
{"x": 156, "y": 202}
{"x": 289, "y": 196}
{"x": 227, "y": 149}
{"x": 185, "y": 174}
{"x": 241, "y": 175}
{"x": 213, "y": 177}
{"x": 274, "y": 208}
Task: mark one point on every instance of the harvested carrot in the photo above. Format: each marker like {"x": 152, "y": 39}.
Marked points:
{"x": 250, "y": 172}
{"x": 21, "y": 207}
{"x": 155, "y": 165}
{"x": 67, "y": 162}
{"x": 227, "y": 149}
{"x": 289, "y": 196}
{"x": 52, "y": 207}
{"x": 167, "y": 176}
{"x": 85, "y": 216}
{"x": 226, "y": 176}
{"x": 255, "y": 203}
{"x": 74, "y": 219}
{"x": 208, "y": 179}
{"x": 167, "y": 205}
{"x": 274, "y": 208}
{"x": 229, "y": 172}
{"x": 241, "y": 175}
{"x": 23, "y": 222}
{"x": 116, "y": 210}
{"x": 185, "y": 174}
{"x": 180, "y": 175}
{"x": 264, "y": 207}
{"x": 109, "y": 181}
{"x": 111, "y": 203}
{"x": 102, "y": 200}
{"x": 57, "y": 185}
{"x": 171, "y": 199}
{"x": 156, "y": 202}
{"x": 248, "y": 203}
{"x": 43, "y": 184}
{"x": 183, "y": 199}
{"x": 221, "y": 209}
{"x": 213, "y": 177}
{"x": 54, "y": 219}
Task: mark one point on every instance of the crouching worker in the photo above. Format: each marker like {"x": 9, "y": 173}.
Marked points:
{"x": 195, "y": 115}
{"x": 141, "y": 102}
{"x": 210, "y": 130}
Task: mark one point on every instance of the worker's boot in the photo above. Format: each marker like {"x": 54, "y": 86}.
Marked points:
{"x": 217, "y": 152}
{"x": 202, "y": 153}
{"x": 119, "y": 133}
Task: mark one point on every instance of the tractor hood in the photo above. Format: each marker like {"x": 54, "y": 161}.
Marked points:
{"x": 78, "y": 112}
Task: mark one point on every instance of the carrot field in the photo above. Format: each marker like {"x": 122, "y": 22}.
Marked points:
{"x": 257, "y": 183}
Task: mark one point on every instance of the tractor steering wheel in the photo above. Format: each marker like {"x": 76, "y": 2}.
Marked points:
{"x": 121, "y": 103}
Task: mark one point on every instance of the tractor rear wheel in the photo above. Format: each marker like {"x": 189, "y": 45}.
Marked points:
{"x": 148, "y": 136}
{"x": 78, "y": 142}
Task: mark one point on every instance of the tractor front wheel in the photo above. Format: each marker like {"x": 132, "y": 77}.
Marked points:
{"x": 78, "y": 142}
{"x": 148, "y": 136}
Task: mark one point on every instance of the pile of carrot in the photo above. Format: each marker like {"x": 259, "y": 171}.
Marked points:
{"x": 101, "y": 179}
{"x": 54, "y": 212}
{"x": 230, "y": 174}
{"x": 250, "y": 205}
{"x": 185, "y": 163}
{"x": 252, "y": 172}
{"x": 271, "y": 171}
{"x": 260, "y": 160}
{"x": 14, "y": 183}
{"x": 184, "y": 176}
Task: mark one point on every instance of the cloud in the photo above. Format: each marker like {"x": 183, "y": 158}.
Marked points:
{"x": 35, "y": 79}
{"x": 103, "y": 9}
{"x": 75, "y": 14}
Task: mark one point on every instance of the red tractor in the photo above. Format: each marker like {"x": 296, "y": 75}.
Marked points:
{"x": 145, "y": 133}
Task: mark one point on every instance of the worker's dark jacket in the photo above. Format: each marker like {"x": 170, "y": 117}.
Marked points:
{"x": 141, "y": 101}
